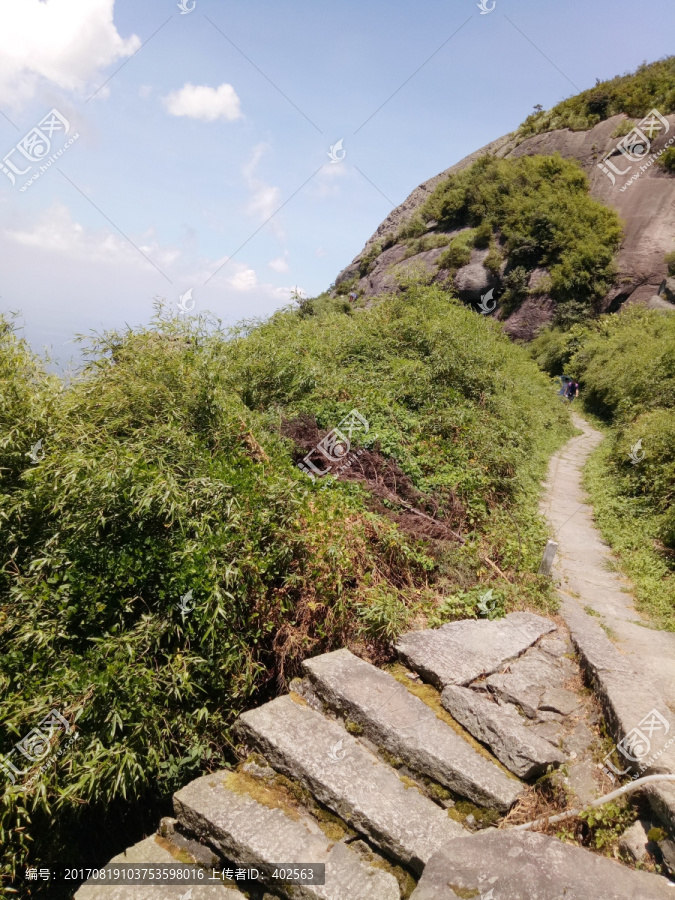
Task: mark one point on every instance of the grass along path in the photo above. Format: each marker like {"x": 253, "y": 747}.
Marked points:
{"x": 587, "y": 570}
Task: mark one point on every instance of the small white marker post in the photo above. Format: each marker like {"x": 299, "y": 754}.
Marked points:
{"x": 547, "y": 560}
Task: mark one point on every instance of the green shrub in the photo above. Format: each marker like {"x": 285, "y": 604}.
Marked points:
{"x": 650, "y": 86}
{"x": 667, "y": 160}
{"x": 426, "y": 242}
{"x": 494, "y": 259}
{"x": 367, "y": 260}
{"x": 624, "y": 127}
{"x": 166, "y": 473}
{"x": 541, "y": 208}
{"x": 458, "y": 253}
{"x": 670, "y": 262}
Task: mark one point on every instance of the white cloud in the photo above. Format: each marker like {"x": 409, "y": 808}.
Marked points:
{"x": 202, "y": 102}
{"x": 280, "y": 264}
{"x": 55, "y": 230}
{"x": 320, "y": 252}
{"x": 325, "y": 184}
{"x": 66, "y": 42}
{"x": 265, "y": 199}
{"x": 243, "y": 279}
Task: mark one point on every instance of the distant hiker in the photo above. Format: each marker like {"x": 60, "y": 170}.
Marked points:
{"x": 353, "y": 296}
{"x": 572, "y": 390}
{"x": 565, "y": 381}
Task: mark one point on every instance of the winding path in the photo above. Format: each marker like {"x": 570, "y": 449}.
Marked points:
{"x": 586, "y": 569}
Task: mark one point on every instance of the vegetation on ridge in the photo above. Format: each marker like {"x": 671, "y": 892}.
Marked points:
{"x": 649, "y": 87}
{"x": 538, "y": 213}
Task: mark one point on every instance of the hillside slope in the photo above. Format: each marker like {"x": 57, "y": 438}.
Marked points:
{"x": 646, "y": 206}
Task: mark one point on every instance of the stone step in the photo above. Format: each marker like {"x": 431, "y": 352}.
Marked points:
{"x": 346, "y": 777}
{"x": 521, "y": 750}
{"x": 460, "y": 652}
{"x": 265, "y": 830}
{"x": 403, "y": 725}
{"x": 160, "y": 852}
{"x": 509, "y": 865}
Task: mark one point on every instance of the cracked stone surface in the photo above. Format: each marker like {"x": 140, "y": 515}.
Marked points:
{"x": 152, "y": 851}
{"x": 527, "y": 866}
{"x": 407, "y": 728}
{"x": 250, "y": 833}
{"x": 520, "y": 749}
{"x": 461, "y": 652}
{"x": 345, "y": 776}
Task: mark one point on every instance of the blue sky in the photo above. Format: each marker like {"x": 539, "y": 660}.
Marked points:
{"x": 214, "y": 119}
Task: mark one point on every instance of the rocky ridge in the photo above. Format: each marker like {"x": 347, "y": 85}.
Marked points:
{"x": 647, "y": 207}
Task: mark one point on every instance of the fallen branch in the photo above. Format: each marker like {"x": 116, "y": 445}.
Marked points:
{"x": 572, "y": 813}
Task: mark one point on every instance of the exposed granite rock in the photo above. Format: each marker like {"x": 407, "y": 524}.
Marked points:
{"x": 526, "y": 866}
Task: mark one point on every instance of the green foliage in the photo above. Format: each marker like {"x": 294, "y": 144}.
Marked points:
{"x": 458, "y": 253}
{"x": 165, "y": 472}
{"x": 541, "y": 208}
{"x": 626, "y": 368}
{"x": 670, "y": 262}
{"x": 651, "y": 86}
{"x": 607, "y": 823}
{"x": 494, "y": 259}
{"x": 624, "y": 127}
{"x": 667, "y": 160}
{"x": 426, "y": 242}
{"x": 368, "y": 258}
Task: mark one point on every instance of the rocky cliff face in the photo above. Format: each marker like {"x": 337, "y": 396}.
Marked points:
{"x": 646, "y": 205}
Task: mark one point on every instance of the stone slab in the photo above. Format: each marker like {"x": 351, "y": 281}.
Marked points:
{"x": 627, "y": 698}
{"x": 634, "y": 840}
{"x": 150, "y": 851}
{"x": 345, "y": 776}
{"x": 521, "y": 750}
{"x": 461, "y": 652}
{"x": 250, "y": 833}
{"x": 407, "y": 728}
{"x": 526, "y": 866}
{"x": 529, "y": 681}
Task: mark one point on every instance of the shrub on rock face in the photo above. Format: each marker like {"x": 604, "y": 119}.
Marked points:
{"x": 667, "y": 161}
{"x": 670, "y": 262}
{"x": 539, "y": 210}
{"x": 651, "y": 86}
